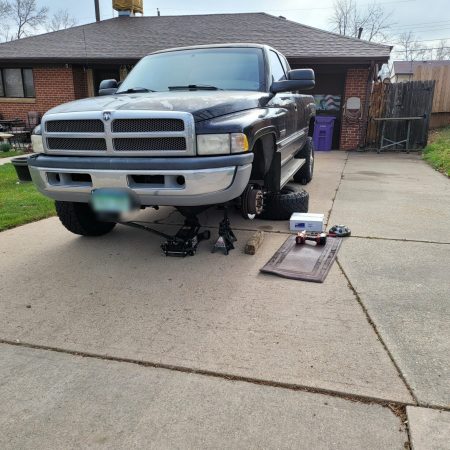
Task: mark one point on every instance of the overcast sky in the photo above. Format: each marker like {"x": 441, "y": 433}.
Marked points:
{"x": 428, "y": 19}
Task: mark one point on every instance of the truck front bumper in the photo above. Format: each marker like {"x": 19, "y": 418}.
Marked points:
{"x": 185, "y": 181}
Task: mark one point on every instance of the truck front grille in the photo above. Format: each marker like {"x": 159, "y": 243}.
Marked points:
{"x": 120, "y": 133}
{"x": 86, "y": 144}
{"x": 75, "y": 126}
{"x": 149, "y": 144}
{"x": 146, "y": 125}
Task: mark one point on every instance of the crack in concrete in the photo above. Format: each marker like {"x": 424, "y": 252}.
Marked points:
{"x": 398, "y": 408}
{"x": 372, "y": 324}
{"x": 337, "y": 188}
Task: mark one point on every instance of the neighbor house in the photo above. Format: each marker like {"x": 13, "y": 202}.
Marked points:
{"x": 39, "y": 72}
{"x": 404, "y": 70}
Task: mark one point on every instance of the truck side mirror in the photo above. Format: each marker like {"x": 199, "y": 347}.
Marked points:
{"x": 298, "y": 80}
{"x": 108, "y": 87}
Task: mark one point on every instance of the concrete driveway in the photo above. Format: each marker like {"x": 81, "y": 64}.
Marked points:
{"x": 106, "y": 344}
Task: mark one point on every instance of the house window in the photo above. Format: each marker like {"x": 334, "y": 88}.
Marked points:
{"x": 16, "y": 83}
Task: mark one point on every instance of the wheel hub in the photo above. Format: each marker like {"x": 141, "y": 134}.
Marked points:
{"x": 252, "y": 202}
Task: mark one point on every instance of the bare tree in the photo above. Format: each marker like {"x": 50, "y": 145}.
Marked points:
{"x": 442, "y": 50}
{"x": 60, "y": 21}
{"x": 342, "y": 18}
{"x": 26, "y": 16}
{"x": 409, "y": 49}
{"x": 347, "y": 19}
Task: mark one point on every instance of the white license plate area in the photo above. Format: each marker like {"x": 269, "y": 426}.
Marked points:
{"x": 111, "y": 201}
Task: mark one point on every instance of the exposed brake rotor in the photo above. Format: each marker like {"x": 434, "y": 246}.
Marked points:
{"x": 252, "y": 202}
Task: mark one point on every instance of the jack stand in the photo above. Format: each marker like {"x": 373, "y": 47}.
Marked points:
{"x": 226, "y": 235}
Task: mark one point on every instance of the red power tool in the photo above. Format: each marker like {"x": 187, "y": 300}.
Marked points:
{"x": 318, "y": 238}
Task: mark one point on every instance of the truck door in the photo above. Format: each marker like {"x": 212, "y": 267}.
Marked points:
{"x": 285, "y": 102}
{"x": 301, "y": 124}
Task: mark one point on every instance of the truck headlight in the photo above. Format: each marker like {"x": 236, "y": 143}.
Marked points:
{"x": 221, "y": 144}
{"x": 36, "y": 140}
{"x": 239, "y": 143}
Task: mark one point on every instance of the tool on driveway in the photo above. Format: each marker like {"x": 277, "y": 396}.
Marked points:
{"x": 339, "y": 231}
{"x": 303, "y": 262}
{"x": 318, "y": 238}
{"x": 254, "y": 243}
{"x": 226, "y": 235}
{"x": 185, "y": 241}
{"x": 307, "y": 221}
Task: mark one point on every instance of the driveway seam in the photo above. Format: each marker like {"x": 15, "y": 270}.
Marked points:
{"x": 337, "y": 188}
{"x": 400, "y": 240}
{"x": 371, "y": 322}
{"x": 397, "y": 407}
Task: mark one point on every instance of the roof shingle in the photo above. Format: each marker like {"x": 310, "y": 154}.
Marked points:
{"x": 130, "y": 38}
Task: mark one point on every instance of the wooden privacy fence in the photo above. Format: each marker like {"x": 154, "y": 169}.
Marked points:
{"x": 407, "y": 102}
{"x": 441, "y": 74}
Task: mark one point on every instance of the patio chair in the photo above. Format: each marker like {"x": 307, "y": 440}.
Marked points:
{"x": 33, "y": 120}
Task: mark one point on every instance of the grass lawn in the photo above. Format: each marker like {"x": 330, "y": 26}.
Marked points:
{"x": 10, "y": 153}
{"x": 437, "y": 152}
{"x": 20, "y": 202}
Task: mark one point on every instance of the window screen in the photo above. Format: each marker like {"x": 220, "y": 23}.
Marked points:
{"x": 16, "y": 83}
{"x": 28, "y": 82}
{"x": 12, "y": 79}
{"x": 277, "y": 69}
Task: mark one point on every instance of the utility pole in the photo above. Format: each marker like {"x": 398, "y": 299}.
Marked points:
{"x": 97, "y": 11}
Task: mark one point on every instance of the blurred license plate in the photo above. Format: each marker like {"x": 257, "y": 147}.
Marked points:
{"x": 110, "y": 201}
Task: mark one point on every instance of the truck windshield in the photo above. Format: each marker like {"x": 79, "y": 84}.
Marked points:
{"x": 214, "y": 68}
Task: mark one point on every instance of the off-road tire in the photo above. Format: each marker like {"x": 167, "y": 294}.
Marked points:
{"x": 281, "y": 205}
{"x": 305, "y": 173}
{"x": 80, "y": 219}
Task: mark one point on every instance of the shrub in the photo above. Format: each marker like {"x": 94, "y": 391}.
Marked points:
{"x": 5, "y": 147}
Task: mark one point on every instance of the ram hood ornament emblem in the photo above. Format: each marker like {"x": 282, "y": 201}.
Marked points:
{"x": 106, "y": 116}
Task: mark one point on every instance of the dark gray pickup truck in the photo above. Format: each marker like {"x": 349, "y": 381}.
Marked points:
{"x": 189, "y": 127}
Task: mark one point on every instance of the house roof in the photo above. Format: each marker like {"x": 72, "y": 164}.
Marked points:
{"x": 127, "y": 39}
{"x": 408, "y": 67}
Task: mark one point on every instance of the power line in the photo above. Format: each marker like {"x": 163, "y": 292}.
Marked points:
{"x": 421, "y": 24}
{"x": 420, "y": 49}
{"x": 286, "y": 9}
{"x": 424, "y": 40}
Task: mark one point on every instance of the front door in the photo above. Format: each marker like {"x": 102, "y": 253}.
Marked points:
{"x": 105, "y": 73}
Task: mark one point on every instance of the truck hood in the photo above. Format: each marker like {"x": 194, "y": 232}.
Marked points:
{"x": 203, "y": 105}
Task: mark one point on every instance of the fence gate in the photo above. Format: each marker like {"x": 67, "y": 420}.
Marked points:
{"x": 410, "y": 102}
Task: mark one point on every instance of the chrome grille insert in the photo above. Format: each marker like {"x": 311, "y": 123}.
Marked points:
{"x": 87, "y": 144}
{"x": 147, "y": 125}
{"x": 75, "y": 126}
{"x": 150, "y": 144}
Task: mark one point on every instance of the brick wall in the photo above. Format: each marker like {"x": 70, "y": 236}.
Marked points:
{"x": 355, "y": 86}
{"x": 80, "y": 83}
{"x": 53, "y": 86}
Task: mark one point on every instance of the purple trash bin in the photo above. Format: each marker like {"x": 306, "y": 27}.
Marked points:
{"x": 323, "y": 132}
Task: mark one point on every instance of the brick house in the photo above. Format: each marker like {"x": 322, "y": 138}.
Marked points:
{"x": 40, "y": 72}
